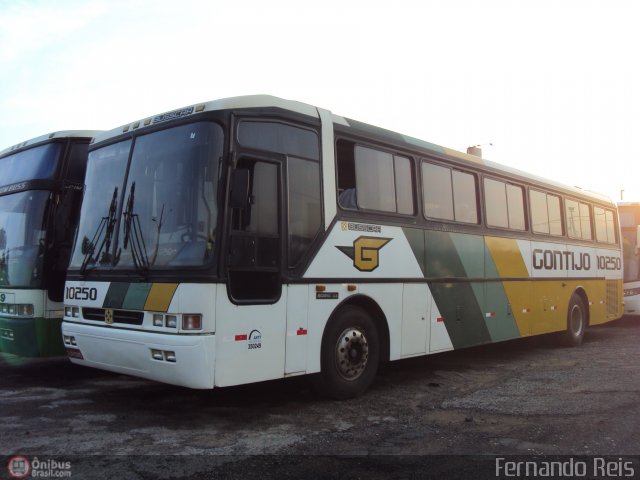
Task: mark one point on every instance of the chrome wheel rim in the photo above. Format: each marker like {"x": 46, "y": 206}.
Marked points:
{"x": 576, "y": 322}
{"x": 352, "y": 353}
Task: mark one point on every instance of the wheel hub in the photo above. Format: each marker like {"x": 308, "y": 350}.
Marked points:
{"x": 352, "y": 353}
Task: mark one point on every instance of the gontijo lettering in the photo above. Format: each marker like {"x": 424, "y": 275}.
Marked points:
{"x": 560, "y": 260}
{"x": 573, "y": 261}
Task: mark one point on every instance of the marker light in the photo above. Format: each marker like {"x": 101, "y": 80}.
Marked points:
{"x": 158, "y": 320}
{"x": 192, "y": 321}
{"x": 157, "y": 354}
{"x": 17, "y": 309}
{"x": 171, "y": 321}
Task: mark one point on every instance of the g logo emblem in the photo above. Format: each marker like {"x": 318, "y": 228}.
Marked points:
{"x": 365, "y": 252}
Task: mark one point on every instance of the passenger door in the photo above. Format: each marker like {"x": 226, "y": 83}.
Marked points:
{"x": 251, "y": 317}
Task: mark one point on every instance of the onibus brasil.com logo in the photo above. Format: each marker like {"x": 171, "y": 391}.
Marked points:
{"x": 21, "y": 467}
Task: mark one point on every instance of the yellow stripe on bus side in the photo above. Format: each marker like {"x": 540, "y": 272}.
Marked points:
{"x": 509, "y": 264}
{"x": 160, "y": 296}
{"x": 507, "y": 257}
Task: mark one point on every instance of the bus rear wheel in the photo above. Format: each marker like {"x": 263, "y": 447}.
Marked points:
{"x": 576, "y": 321}
{"x": 350, "y": 354}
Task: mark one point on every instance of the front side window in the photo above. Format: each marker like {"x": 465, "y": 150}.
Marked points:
{"x": 383, "y": 181}
{"x": 22, "y": 238}
{"x": 35, "y": 163}
{"x": 279, "y": 138}
{"x": 305, "y": 220}
{"x": 372, "y": 179}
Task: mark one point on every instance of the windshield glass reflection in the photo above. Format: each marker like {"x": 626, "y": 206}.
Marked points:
{"x": 162, "y": 211}
{"x": 35, "y": 163}
{"x": 22, "y": 238}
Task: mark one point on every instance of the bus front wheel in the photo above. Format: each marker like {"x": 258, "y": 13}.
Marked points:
{"x": 576, "y": 321}
{"x": 350, "y": 354}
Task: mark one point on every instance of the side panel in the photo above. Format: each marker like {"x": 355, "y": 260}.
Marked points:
{"x": 328, "y": 167}
{"x": 250, "y": 340}
{"x": 297, "y": 329}
{"x": 33, "y": 336}
{"x": 416, "y": 303}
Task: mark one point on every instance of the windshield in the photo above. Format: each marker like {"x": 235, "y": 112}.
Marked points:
{"x": 32, "y": 164}
{"x": 22, "y": 238}
{"x": 106, "y": 168}
{"x": 166, "y": 213}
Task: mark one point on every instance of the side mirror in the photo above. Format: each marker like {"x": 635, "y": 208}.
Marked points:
{"x": 239, "y": 188}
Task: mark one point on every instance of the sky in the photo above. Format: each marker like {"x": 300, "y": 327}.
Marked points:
{"x": 551, "y": 87}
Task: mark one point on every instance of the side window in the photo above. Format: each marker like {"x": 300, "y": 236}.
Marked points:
{"x": 545, "y": 213}
{"x": 449, "y": 194}
{"x": 263, "y": 212}
{"x": 304, "y": 206}
{"x": 578, "y": 219}
{"x": 254, "y": 244}
{"x": 372, "y": 179}
{"x": 375, "y": 186}
{"x": 438, "y": 192}
{"x": 302, "y": 148}
{"x": 504, "y": 205}
{"x": 605, "y": 225}
{"x": 515, "y": 204}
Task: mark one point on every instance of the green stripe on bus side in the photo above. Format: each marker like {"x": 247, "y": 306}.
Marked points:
{"x": 501, "y": 321}
{"x": 136, "y": 296}
{"x": 115, "y": 295}
{"x": 415, "y": 237}
{"x": 459, "y": 303}
{"x": 473, "y": 313}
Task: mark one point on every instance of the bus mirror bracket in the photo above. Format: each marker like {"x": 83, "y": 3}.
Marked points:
{"x": 239, "y": 188}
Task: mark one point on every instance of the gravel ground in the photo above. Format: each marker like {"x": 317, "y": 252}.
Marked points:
{"x": 525, "y": 397}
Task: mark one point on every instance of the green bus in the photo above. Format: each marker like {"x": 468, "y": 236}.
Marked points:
{"x": 41, "y": 184}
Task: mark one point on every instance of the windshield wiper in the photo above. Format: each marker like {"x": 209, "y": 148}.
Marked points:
{"x": 133, "y": 235}
{"x": 106, "y": 225}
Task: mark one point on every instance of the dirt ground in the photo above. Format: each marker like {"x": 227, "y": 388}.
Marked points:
{"x": 525, "y": 397}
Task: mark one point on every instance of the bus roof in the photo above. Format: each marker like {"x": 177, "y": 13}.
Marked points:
{"x": 269, "y": 101}
{"x": 50, "y": 136}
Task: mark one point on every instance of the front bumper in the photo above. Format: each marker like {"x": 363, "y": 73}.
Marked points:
{"x": 130, "y": 352}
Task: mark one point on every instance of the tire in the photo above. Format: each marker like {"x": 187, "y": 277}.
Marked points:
{"x": 576, "y": 322}
{"x": 350, "y": 354}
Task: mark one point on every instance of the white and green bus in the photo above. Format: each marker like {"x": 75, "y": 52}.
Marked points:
{"x": 630, "y": 225}
{"x": 40, "y": 194}
{"x": 256, "y": 238}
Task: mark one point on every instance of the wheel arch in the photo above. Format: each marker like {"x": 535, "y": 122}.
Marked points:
{"x": 370, "y": 306}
